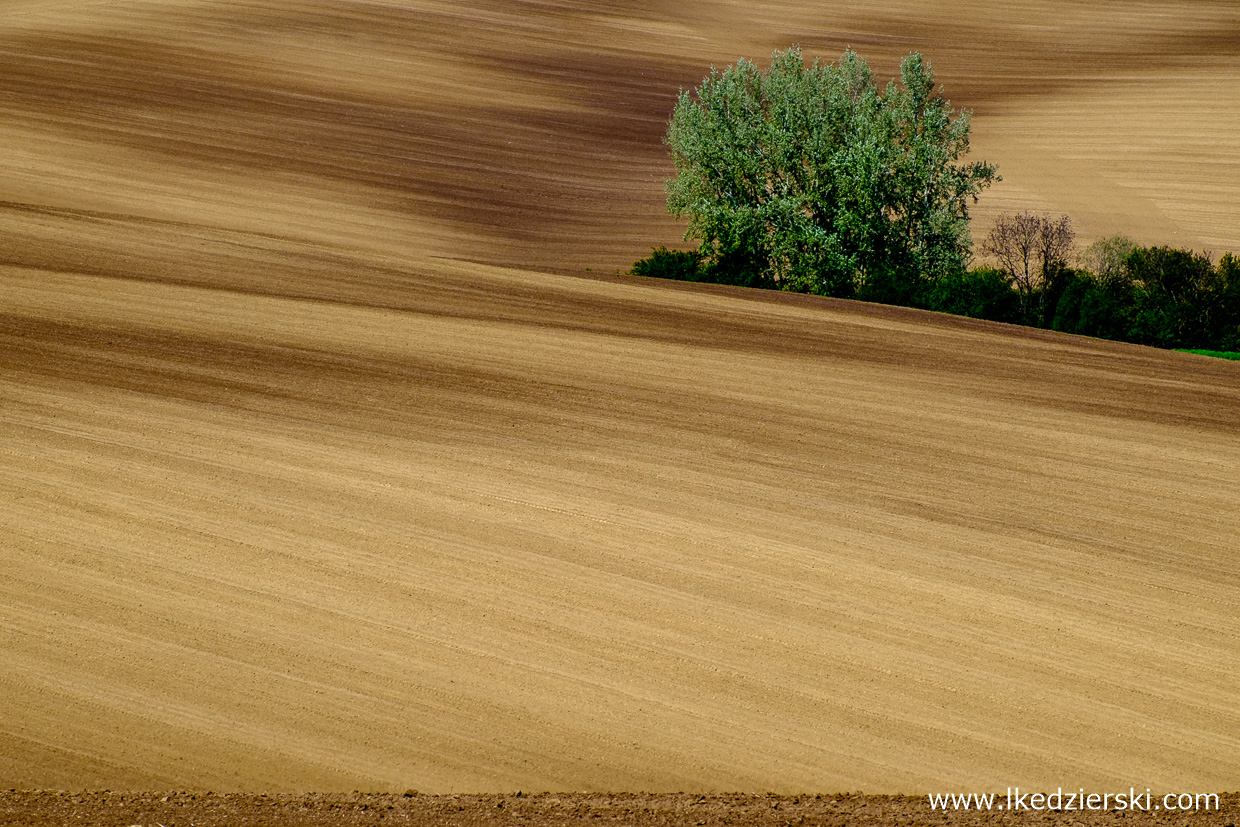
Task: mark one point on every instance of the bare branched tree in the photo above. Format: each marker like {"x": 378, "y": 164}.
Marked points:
{"x": 1013, "y": 241}
{"x": 1027, "y": 247}
{"x": 1055, "y": 237}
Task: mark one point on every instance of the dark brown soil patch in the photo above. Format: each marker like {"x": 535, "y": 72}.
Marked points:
{"x": 668, "y": 810}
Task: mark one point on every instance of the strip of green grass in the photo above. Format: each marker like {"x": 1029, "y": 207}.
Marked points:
{"x": 1222, "y": 354}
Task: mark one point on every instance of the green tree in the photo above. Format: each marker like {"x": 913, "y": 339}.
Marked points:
{"x": 809, "y": 178}
{"x": 1091, "y": 305}
{"x": 1176, "y": 293}
{"x": 983, "y": 293}
{"x": 1225, "y": 324}
{"x": 1107, "y": 258}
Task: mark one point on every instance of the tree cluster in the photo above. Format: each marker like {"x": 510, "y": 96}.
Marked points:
{"x": 1148, "y": 295}
{"x": 1161, "y": 296}
{"x": 810, "y": 178}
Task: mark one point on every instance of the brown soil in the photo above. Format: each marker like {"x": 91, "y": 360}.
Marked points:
{"x": 104, "y": 809}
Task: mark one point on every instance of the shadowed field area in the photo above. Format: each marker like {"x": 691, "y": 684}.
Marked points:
{"x": 325, "y": 465}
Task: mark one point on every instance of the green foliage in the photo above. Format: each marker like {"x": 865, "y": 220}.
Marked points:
{"x": 1092, "y": 306}
{"x": 1218, "y": 354}
{"x": 808, "y": 178}
{"x": 1161, "y": 297}
{"x": 984, "y": 293}
{"x": 1056, "y": 278}
{"x": 670, "y": 264}
{"x": 892, "y": 285}
{"x": 740, "y": 269}
{"x": 1183, "y": 300}
{"x": 1224, "y": 320}
{"x": 691, "y": 265}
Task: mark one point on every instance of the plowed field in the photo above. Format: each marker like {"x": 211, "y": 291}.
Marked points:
{"x": 329, "y": 460}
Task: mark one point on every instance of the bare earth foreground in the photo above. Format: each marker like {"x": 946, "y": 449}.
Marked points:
{"x": 325, "y": 466}
{"x": 598, "y": 810}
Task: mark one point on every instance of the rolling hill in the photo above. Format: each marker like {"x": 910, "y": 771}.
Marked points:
{"x": 326, "y": 464}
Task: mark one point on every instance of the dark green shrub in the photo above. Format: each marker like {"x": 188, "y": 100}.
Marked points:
{"x": 1179, "y": 298}
{"x": 901, "y": 286}
{"x": 681, "y": 265}
{"x": 1056, "y": 278}
{"x": 1175, "y": 275}
{"x": 1162, "y": 297}
{"x": 1225, "y": 323}
{"x": 984, "y": 293}
{"x": 739, "y": 268}
{"x": 1090, "y": 306}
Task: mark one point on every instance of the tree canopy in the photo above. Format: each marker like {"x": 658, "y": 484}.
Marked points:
{"x": 809, "y": 178}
